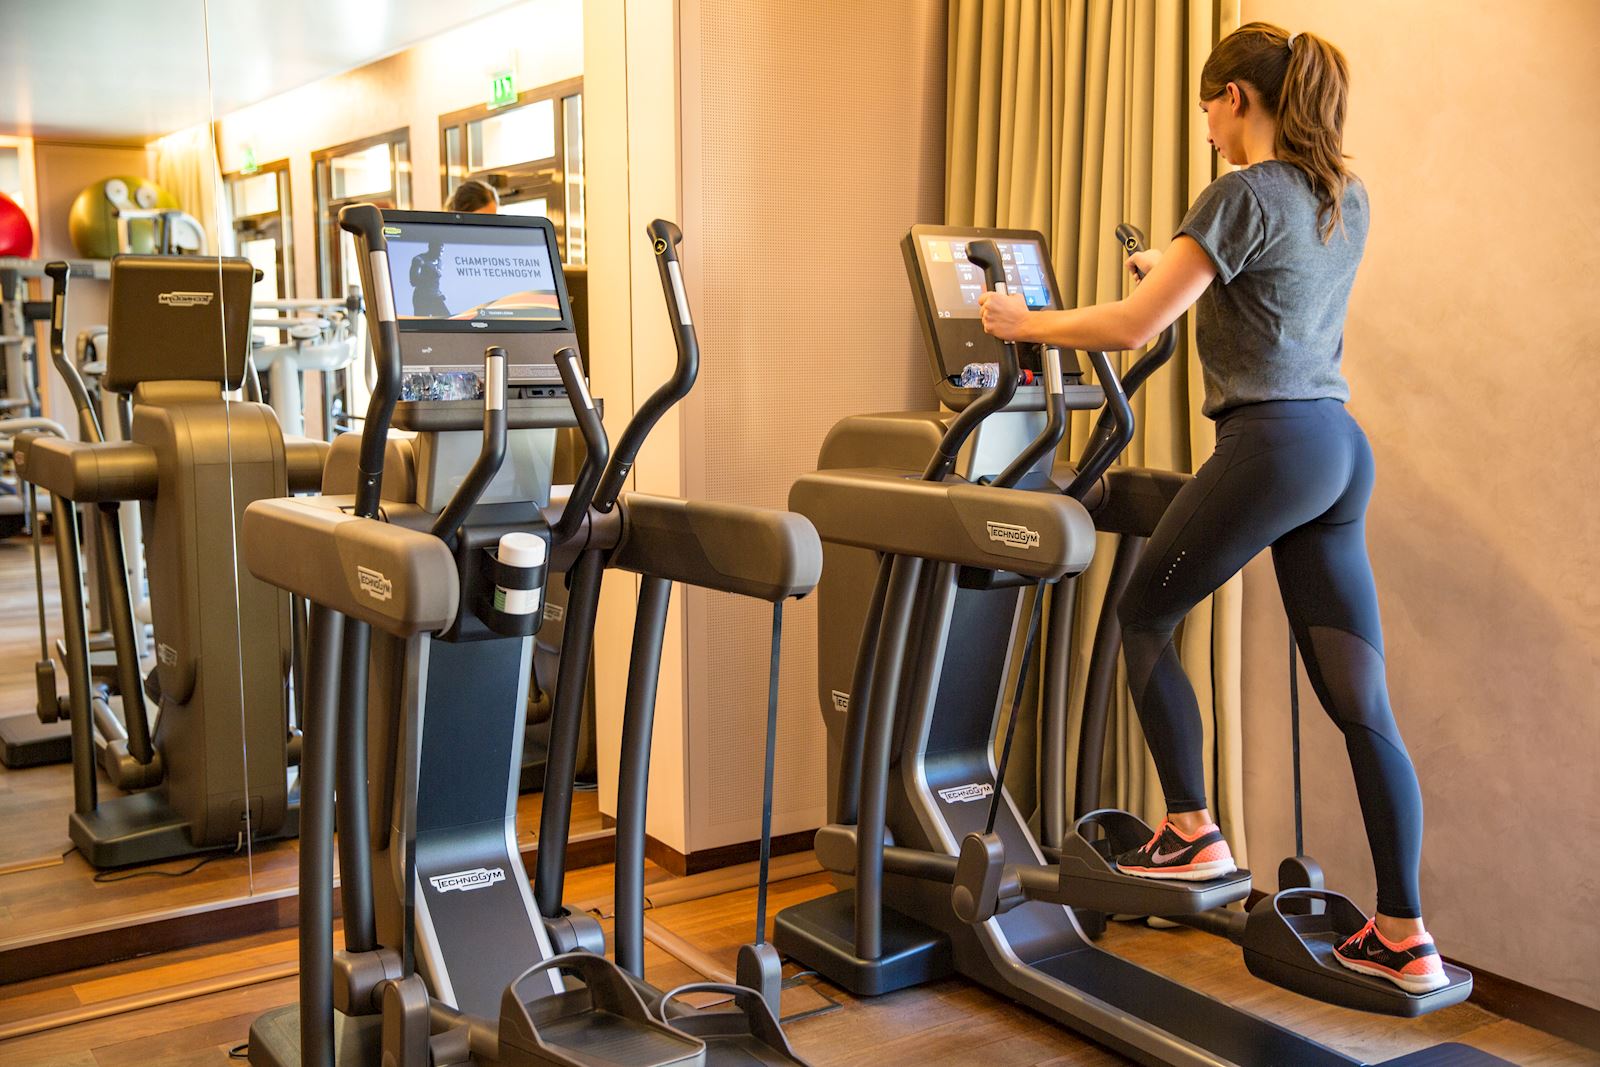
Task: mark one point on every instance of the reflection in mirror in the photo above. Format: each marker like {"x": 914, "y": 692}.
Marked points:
{"x": 122, "y": 796}
{"x": 240, "y": 146}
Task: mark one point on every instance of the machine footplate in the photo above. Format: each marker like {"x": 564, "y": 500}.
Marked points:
{"x": 1090, "y": 878}
{"x": 1296, "y": 952}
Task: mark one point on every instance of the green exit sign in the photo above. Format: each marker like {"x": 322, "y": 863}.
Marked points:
{"x": 249, "y": 166}
{"x": 503, "y": 89}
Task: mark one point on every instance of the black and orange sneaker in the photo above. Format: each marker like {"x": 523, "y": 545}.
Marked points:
{"x": 1413, "y": 964}
{"x": 1169, "y": 854}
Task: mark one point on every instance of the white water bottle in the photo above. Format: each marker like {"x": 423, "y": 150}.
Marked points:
{"x": 525, "y": 551}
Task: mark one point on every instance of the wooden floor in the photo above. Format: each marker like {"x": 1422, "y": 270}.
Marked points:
{"x": 222, "y": 988}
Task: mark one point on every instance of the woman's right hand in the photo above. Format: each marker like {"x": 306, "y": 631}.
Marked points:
{"x": 1142, "y": 263}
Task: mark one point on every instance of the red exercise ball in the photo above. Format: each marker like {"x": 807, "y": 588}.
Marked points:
{"x": 16, "y": 233}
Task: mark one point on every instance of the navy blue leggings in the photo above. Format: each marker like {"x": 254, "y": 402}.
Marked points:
{"x": 1294, "y": 475}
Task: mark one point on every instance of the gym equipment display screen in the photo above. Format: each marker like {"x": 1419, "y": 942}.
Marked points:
{"x": 954, "y": 284}
{"x": 473, "y": 277}
{"x": 462, "y": 282}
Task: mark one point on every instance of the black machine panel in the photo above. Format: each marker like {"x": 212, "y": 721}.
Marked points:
{"x": 947, "y": 287}
{"x": 462, "y": 281}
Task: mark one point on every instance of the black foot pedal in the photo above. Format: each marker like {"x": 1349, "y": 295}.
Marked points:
{"x": 749, "y": 1034}
{"x": 1294, "y": 950}
{"x": 1090, "y": 878}
{"x": 599, "y": 1022}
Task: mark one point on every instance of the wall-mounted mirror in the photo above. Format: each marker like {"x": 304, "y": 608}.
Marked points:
{"x": 221, "y": 371}
{"x": 123, "y": 797}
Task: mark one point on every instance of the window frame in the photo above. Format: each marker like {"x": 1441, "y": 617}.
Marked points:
{"x": 329, "y": 252}
{"x": 529, "y": 180}
{"x": 284, "y": 216}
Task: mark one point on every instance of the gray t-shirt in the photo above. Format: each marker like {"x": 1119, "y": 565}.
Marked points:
{"x": 1271, "y": 325}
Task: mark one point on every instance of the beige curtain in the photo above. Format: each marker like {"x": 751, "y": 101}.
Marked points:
{"x": 1068, "y": 117}
{"x": 186, "y": 167}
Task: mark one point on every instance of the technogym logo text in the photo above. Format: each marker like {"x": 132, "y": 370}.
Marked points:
{"x": 466, "y": 881}
{"x": 966, "y": 794}
{"x": 1013, "y": 535}
{"x": 181, "y": 299}
{"x": 374, "y": 584}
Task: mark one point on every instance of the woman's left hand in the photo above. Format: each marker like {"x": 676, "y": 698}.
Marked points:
{"x": 1003, "y": 315}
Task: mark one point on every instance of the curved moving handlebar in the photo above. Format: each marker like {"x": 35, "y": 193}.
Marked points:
{"x": 1055, "y": 428}
{"x": 596, "y": 444}
{"x": 1114, "y": 430}
{"x": 490, "y": 455}
{"x": 365, "y": 222}
{"x": 985, "y": 255}
{"x": 664, "y": 239}
{"x": 60, "y": 274}
{"x": 1132, "y": 240}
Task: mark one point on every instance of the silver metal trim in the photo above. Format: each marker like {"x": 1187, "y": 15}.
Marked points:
{"x": 583, "y": 393}
{"x": 1052, "y": 371}
{"x": 383, "y": 296}
{"x": 682, "y": 298}
{"x": 1002, "y": 288}
{"x": 494, "y": 386}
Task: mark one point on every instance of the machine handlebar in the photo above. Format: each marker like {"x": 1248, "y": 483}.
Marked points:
{"x": 985, "y": 255}
{"x": 597, "y": 446}
{"x": 365, "y": 223}
{"x": 60, "y": 275}
{"x": 664, "y": 240}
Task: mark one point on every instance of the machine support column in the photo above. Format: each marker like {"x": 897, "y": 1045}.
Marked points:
{"x": 633, "y": 773}
{"x": 566, "y": 722}
{"x": 1103, "y": 676}
{"x": 898, "y": 604}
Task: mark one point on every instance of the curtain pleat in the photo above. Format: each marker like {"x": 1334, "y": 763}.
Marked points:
{"x": 186, "y": 166}
{"x": 1068, "y": 117}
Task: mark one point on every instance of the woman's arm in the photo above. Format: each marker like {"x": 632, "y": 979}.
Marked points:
{"x": 1172, "y": 286}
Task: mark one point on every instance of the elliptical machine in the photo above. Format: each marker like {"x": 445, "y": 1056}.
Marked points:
{"x": 922, "y": 817}
{"x": 216, "y": 767}
{"x": 426, "y": 586}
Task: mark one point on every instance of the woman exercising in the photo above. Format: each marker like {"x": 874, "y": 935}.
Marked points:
{"x": 1267, "y": 254}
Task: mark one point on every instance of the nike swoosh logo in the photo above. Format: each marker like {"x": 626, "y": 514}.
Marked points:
{"x": 1374, "y": 949}
{"x": 1164, "y": 857}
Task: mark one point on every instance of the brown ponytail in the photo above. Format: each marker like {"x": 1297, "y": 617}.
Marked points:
{"x": 1304, "y": 80}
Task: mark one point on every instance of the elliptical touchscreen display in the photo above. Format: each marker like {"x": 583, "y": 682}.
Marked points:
{"x": 472, "y": 274}
{"x": 954, "y": 284}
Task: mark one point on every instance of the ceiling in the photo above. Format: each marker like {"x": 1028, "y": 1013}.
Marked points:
{"x": 93, "y": 70}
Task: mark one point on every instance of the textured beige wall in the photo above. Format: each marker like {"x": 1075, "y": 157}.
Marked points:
{"x": 631, "y": 167}
{"x": 813, "y": 138}
{"x": 1473, "y": 352}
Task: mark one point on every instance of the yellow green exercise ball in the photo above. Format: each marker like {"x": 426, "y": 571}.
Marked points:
{"x": 93, "y": 220}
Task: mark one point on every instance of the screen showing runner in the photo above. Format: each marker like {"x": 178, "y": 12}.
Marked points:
{"x": 468, "y": 273}
{"x": 954, "y": 284}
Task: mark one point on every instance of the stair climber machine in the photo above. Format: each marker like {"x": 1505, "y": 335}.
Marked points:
{"x": 425, "y": 563}
{"x": 216, "y": 768}
{"x": 947, "y": 875}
